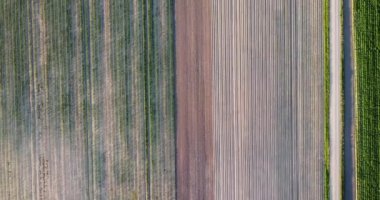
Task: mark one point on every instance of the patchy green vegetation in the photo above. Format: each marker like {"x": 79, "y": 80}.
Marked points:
{"x": 342, "y": 98}
{"x": 326, "y": 42}
{"x": 89, "y": 87}
{"x": 367, "y": 64}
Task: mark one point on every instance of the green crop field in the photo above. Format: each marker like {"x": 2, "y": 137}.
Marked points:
{"x": 367, "y": 55}
{"x": 87, "y": 99}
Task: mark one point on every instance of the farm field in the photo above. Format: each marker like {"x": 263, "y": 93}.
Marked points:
{"x": 189, "y": 99}
{"x": 367, "y": 87}
{"x": 195, "y": 169}
{"x": 268, "y": 99}
{"x": 87, "y": 101}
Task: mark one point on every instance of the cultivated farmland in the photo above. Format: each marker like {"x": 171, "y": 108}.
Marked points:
{"x": 186, "y": 99}
{"x": 367, "y": 99}
{"x": 87, "y": 99}
{"x": 195, "y": 168}
{"x": 268, "y": 99}
{"x": 265, "y": 136}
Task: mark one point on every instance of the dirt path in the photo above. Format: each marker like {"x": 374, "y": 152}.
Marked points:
{"x": 335, "y": 100}
{"x": 193, "y": 82}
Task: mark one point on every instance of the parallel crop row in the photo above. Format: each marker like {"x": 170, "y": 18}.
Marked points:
{"x": 88, "y": 86}
{"x": 367, "y": 54}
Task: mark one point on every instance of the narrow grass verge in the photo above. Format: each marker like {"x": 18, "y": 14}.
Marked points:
{"x": 326, "y": 21}
{"x": 342, "y": 103}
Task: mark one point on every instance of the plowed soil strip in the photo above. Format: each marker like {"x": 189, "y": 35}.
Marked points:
{"x": 268, "y": 99}
{"x": 193, "y": 82}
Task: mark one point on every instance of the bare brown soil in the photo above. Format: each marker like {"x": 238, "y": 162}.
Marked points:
{"x": 194, "y": 87}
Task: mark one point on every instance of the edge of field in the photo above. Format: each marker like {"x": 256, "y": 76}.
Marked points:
{"x": 342, "y": 98}
{"x": 367, "y": 89}
{"x": 355, "y": 120}
{"x": 326, "y": 21}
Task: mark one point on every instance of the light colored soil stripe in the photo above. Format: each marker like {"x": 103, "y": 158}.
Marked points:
{"x": 108, "y": 99}
{"x": 335, "y": 99}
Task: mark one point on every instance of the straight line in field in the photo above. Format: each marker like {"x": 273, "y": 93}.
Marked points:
{"x": 335, "y": 116}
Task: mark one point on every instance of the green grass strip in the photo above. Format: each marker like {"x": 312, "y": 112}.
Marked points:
{"x": 326, "y": 26}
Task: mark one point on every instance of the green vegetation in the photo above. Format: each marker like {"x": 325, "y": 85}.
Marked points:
{"x": 326, "y": 27}
{"x": 90, "y": 86}
{"x": 159, "y": 93}
{"x": 367, "y": 88}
